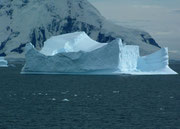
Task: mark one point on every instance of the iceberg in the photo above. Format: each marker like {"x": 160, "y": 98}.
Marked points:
{"x": 3, "y": 62}
{"x": 77, "y": 53}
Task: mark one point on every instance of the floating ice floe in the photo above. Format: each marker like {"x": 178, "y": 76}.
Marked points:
{"x": 3, "y": 62}
{"x": 65, "y": 100}
{"x": 76, "y": 53}
{"x": 53, "y": 99}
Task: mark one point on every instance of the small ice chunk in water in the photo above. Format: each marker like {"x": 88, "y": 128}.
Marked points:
{"x": 65, "y": 100}
{"x": 171, "y": 97}
{"x": 65, "y": 92}
{"x": 53, "y": 99}
{"x": 161, "y": 109}
{"x": 116, "y": 92}
{"x": 75, "y": 95}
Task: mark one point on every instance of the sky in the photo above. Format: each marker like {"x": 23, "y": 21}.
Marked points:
{"x": 161, "y": 18}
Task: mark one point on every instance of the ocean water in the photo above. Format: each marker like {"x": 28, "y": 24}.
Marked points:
{"x": 88, "y": 102}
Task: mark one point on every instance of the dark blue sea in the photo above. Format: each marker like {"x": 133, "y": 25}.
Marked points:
{"x": 88, "y": 102}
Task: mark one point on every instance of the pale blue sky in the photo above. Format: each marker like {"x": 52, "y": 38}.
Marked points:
{"x": 161, "y": 18}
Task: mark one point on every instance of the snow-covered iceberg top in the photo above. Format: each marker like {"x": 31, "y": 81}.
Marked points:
{"x": 3, "y": 62}
{"x": 76, "y": 53}
{"x": 72, "y": 42}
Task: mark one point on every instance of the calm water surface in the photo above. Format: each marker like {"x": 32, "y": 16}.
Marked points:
{"x": 88, "y": 102}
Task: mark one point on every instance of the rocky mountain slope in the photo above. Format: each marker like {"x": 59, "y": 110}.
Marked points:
{"x": 24, "y": 21}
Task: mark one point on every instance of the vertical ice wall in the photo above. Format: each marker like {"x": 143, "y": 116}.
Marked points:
{"x": 154, "y": 61}
{"x": 128, "y": 57}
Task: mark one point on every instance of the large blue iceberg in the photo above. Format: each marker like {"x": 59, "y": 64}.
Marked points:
{"x": 76, "y": 53}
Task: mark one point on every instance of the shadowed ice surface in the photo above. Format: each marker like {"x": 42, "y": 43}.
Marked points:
{"x": 88, "y": 102}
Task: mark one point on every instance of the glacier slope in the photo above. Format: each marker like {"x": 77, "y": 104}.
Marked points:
{"x": 86, "y": 56}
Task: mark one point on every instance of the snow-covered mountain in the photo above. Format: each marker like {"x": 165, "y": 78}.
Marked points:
{"x": 35, "y": 21}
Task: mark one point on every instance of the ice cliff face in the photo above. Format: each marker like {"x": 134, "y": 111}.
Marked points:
{"x": 23, "y": 21}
